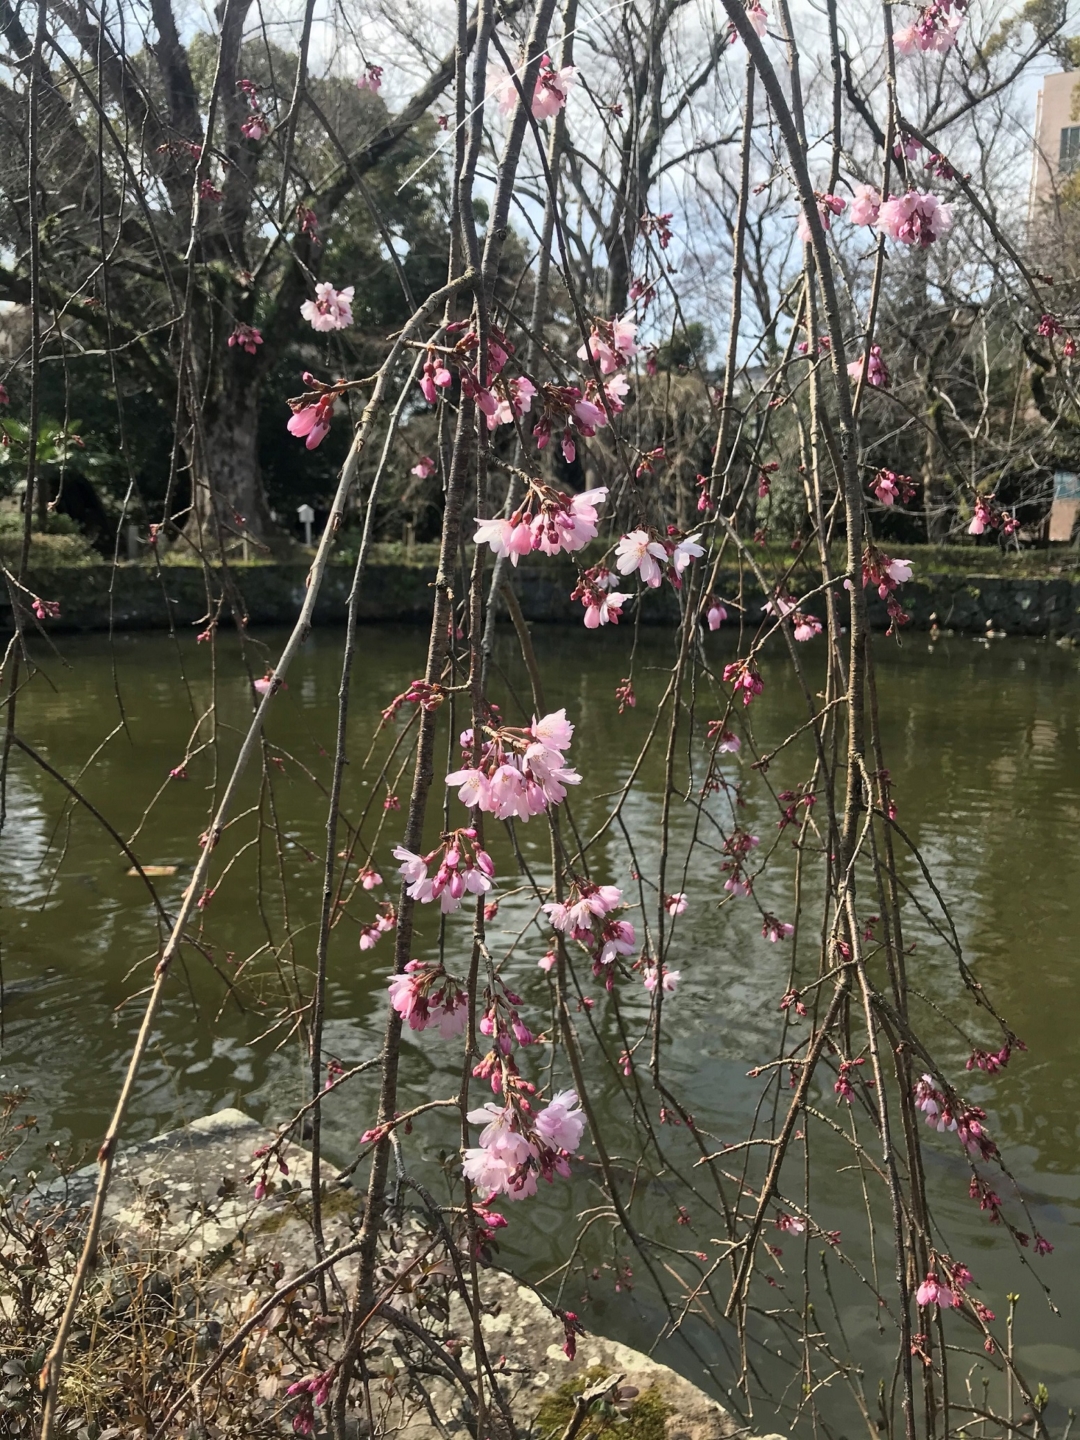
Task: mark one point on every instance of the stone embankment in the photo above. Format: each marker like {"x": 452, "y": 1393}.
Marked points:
{"x": 184, "y": 1199}
{"x": 136, "y": 597}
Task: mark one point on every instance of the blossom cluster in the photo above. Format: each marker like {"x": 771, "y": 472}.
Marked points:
{"x": 889, "y": 487}
{"x": 967, "y": 1123}
{"x": 424, "y": 994}
{"x": 596, "y": 591}
{"x": 804, "y": 626}
{"x": 988, "y": 516}
{"x": 256, "y": 126}
{"x": 550, "y": 93}
{"x": 877, "y": 372}
{"x": 887, "y": 575}
{"x": 515, "y": 1149}
{"x": 548, "y": 520}
{"x": 652, "y": 556}
{"x": 935, "y": 30}
{"x": 917, "y": 217}
{"x": 519, "y": 772}
{"x": 331, "y": 309}
{"x": 461, "y": 867}
{"x": 587, "y": 916}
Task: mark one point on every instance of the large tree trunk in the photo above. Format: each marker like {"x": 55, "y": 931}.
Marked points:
{"x": 229, "y": 505}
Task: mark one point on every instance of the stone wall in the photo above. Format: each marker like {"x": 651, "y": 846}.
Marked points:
{"x": 136, "y": 597}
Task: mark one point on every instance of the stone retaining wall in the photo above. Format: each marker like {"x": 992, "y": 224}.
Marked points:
{"x": 135, "y": 597}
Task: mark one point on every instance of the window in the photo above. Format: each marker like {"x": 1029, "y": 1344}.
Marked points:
{"x": 1070, "y": 149}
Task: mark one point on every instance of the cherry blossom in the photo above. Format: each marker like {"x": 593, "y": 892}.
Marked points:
{"x": 424, "y": 467}
{"x": 917, "y": 218}
{"x": 636, "y": 551}
{"x": 611, "y": 344}
{"x": 715, "y": 615}
{"x": 877, "y": 373}
{"x": 463, "y": 868}
{"x": 381, "y": 925}
{"x": 865, "y": 206}
{"x": 759, "y": 18}
{"x": 934, "y": 1105}
{"x": 805, "y": 626}
{"x": 255, "y": 127}
{"x": 312, "y": 421}
{"x": 982, "y": 519}
{"x": 669, "y": 979}
{"x": 729, "y": 743}
{"x": 596, "y": 591}
{"x": 744, "y": 676}
{"x": 549, "y": 520}
{"x": 791, "y": 1224}
{"x": 641, "y": 551}
{"x": 828, "y": 206}
{"x": 935, "y": 30}
{"x": 331, "y": 309}
{"x": 775, "y": 930}
{"x": 549, "y": 96}
{"x": 425, "y": 995}
{"x": 510, "y": 1155}
{"x": 369, "y": 878}
{"x": 561, "y": 1123}
{"x": 933, "y": 1292}
{"x": 519, "y": 772}
{"x": 435, "y": 377}
{"x": 676, "y": 904}
{"x": 371, "y": 79}
{"x": 889, "y": 487}
{"x": 574, "y": 915}
{"x": 248, "y": 337}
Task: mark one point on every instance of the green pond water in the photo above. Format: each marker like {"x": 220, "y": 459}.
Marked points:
{"x": 982, "y": 741}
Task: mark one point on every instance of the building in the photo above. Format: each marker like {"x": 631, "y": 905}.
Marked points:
{"x": 1057, "y": 136}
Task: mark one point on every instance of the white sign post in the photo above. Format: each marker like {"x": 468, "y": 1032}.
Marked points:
{"x": 307, "y": 519}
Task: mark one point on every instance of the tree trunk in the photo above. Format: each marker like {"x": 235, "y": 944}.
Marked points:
{"x": 228, "y": 502}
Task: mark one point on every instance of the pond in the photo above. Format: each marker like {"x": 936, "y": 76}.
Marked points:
{"x": 982, "y": 742}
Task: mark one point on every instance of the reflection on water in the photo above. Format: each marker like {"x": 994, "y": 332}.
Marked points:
{"x": 982, "y": 745}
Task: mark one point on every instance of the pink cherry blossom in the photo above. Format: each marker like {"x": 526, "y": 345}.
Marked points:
{"x": 776, "y": 930}
{"x": 371, "y": 79}
{"x": 759, "y": 18}
{"x": 917, "y": 218}
{"x": 806, "y": 627}
{"x": 676, "y": 904}
{"x": 933, "y": 1292}
{"x": 331, "y": 309}
{"x": 425, "y": 995}
{"x": 715, "y": 615}
{"x": 255, "y": 127}
{"x": 877, "y": 373}
{"x": 899, "y": 571}
{"x": 865, "y": 206}
{"x": 686, "y": 550}
{"x": 561, "y": 1123}
{"x": 828, "y": 206}
{"x": 549, "y": 96}
{"x": 982, "y": 519}
{"x": 423, "y": 467}
{"x": 313, "y": 421}
{"x": 548, "y": 962}
{"x": 605, "y": 610}
{"x": 611, "y": 344}
{"x": 670, "y": 979}
{"x": 635, "y": 551}
{"x": 248, "y": 337}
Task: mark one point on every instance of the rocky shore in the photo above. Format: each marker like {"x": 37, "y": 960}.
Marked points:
{"x": 182, "y": 1218}
{"x": 137, "y": 597}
